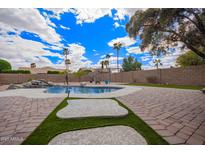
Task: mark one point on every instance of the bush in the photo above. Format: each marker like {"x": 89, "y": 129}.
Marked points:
{"x": 131, "y": 64}
{"x": 17, "y": 72}
{"x": 189, "y": 58}
{"x": 53, "y": 72}
{"x": 4, "y": 65}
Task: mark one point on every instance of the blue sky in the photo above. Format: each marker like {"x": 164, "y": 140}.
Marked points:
{"x": 39, "y": 35}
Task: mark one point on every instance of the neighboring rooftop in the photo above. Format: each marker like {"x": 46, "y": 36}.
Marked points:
{"x": 41, "y": 70}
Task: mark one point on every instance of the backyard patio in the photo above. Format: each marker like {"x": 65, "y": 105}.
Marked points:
{"x": 102, "y": 76}
{"x": 177, "y": 115}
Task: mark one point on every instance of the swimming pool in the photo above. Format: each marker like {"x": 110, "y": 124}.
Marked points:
{"x": 81, "y": 90}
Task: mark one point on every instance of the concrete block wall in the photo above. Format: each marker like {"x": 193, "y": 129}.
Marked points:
{"x": 193, "y": 75}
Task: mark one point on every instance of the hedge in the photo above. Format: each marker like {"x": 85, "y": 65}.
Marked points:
{"x": 17, "y": 72}
{"x": 53, "y": 72}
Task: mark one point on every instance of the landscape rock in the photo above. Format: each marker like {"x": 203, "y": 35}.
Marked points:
{"x": 13, "y": 86}
{"x": 203, "y": 90}
{"x": 37, "y": 84}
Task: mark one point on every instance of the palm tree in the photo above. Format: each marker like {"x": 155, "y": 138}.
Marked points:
{"x": 108, "y": 57}
{"x": 106, "y": 63}
{"x": 117, "y": 46}
{"x": 157, "y": 63}
{"x": 66, "y": 52}
{"x": 102, "y": 64}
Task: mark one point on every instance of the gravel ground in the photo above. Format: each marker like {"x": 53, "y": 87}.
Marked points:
{"x": 92, "y": 108}
{"x": 112, "y": 135}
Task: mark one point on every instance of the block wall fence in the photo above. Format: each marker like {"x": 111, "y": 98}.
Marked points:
{"x": 193, "y": 75}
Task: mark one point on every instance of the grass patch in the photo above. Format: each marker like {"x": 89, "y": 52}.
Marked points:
{"x": 170, "y": 86}
{"x": 53, "y": 126}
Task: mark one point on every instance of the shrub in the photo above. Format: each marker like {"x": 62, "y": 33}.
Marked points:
{"x": 53, "y": 72}
{"x": 189, "y": 58}
{"x": 17, "y": 72}
{"x": 4, "y": 65}
{"x": 131, "y": 64}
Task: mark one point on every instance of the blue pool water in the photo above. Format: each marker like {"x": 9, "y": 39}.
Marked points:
{"x": 80, "y": 90}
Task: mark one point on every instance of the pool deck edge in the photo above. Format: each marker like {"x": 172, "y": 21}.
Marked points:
{"x": 39, "y": 93}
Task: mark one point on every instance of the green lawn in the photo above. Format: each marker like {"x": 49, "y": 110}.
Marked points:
{"x": 170, "y": 86}
{"x": 53, "y": 126}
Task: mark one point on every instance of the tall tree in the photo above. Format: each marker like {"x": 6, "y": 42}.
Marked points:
{"x": 117, "y": 46}
{"x": 162, "y": 29}
{"x": 4, "y": 65}
{"x": 131, "y": 64}
{"x": 189, "y": 58}
{"x": 108, "y": 58}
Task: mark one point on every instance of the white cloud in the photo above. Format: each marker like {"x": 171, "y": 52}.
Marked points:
{"x": 112, "y": 60}
{"x": 103, "y": 56}
{"x": 63, "y": 27}
{"x": 57, "y": 12}
{"x": 116, "y": 25}
{"x": 145, "y": 58}
{"x": 83, "y": 15}
{"x": 168, "y": 60}
{"x": 96, "y": 54}
{"x": 48, "y": 21}
{"x": 89, "y": 15}
{"x": 30, "y": 20}
{"x": 122, "y": 12}
{"x": 22, "y": 52}
{"x": 126, "y": 41}
{"x": 135, "y": 50}
{"x": 111, "y": 53}
{"x": 78, "y": 60}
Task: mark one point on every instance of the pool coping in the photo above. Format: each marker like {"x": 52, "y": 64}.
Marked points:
{"x": 39, "y": 93}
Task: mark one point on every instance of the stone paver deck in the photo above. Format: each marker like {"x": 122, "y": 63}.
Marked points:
{"x": 19, "y": 116}
{"x": 92, "y": 108}
{"x": 177, "y": 115}
{"x": 112, "y": 135}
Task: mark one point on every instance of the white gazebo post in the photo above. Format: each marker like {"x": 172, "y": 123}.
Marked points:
{"x": 66, "y": 52}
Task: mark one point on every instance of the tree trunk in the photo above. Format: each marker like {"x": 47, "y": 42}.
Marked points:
{"x": 196, "y": 51}
{"x": 117, "y": 61}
